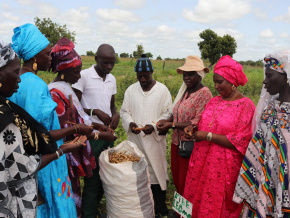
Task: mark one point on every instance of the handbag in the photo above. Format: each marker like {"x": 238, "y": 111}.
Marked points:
{"x": 185, "y": 148}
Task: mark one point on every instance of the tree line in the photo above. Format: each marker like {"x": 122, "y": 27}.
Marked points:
{"x": 212, "y": 47}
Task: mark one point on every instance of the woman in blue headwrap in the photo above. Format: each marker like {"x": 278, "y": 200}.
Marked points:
{"x": 57, "y": 199}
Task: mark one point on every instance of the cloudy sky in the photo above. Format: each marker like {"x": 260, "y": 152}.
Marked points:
{"x": 169, "y": 28}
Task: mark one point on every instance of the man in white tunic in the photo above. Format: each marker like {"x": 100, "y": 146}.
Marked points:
{"x": 145, "y": 103}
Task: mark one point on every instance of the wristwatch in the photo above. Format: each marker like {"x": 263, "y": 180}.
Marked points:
{"x": 173, "y": 126}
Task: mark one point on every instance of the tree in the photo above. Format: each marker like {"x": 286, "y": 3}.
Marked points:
{"x": 159, "y": 58}
{"x": 139, "y": 52}
{"x": 90, "y": 53}
{"x": 124, "y": 55}
{"x": 213, "y": 46}
{"x": 53, "y": 31}
{"x": 149, "y": 55}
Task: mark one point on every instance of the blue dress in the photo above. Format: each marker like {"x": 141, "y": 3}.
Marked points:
{"x": 53, "y": 180}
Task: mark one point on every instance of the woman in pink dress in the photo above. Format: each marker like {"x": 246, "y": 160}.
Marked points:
{"x": 224, "y": 131}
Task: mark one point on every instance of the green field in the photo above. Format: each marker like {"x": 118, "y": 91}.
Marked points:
{"x": 125, "y": 76}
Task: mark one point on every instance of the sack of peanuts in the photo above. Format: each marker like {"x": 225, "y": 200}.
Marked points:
{"x": 125, "y": 177}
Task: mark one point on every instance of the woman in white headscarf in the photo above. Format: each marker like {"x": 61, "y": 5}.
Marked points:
{"x": 263, "y": 183}
{"x": 187, "y": 108}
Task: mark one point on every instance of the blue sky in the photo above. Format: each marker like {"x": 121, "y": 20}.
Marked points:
{"x": 169, "y": 28}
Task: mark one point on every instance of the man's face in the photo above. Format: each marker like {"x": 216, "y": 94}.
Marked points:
{"x": 144, "y": 78}
{"x": 106, "y": 63}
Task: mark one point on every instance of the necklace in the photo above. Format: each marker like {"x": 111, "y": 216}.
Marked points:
{"x": 214, "y": 117}
{"x": 27, "y": 68}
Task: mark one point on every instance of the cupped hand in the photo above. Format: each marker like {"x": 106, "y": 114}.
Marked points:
{"x": 84, "y": 129}
{"x": 200, "y": 135}
{"x": 107, "y": 136}
{"x": 134, "y": 128}
{"x": 77, "y": 143}
{"x": 114, "y": 121}
{"x": 164, "y": 126}
{"x": 105, "y": 118}
{"x": 148, "y": 129}
{"x": 189, "y": 131}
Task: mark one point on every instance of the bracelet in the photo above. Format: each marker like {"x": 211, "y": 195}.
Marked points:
{"x": 96, "y": 137}
{"x": 91, "y": 114}
{"x": 76, "y": 128}
{"x": 57, "y": 154}
{"x": 209, "y": 137}
{"x": 61, "y": 151}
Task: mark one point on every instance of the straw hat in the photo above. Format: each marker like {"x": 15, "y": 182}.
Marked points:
{"x": 192, "y": 63}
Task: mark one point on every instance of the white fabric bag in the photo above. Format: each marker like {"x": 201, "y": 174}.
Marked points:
{"x": 126, "y": 185}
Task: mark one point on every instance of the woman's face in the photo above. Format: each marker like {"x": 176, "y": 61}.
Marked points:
{"x": 274, "y": 81}
{"x": 223, "y": 86}
{"x": 9, "y": 77}
{"x": 191, "y": 79}
{"x": 43, "y": 59}
{"x": 73, "y": 75}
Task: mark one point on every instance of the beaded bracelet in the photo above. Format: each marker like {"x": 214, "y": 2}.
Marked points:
{"x": 61, "y": 151}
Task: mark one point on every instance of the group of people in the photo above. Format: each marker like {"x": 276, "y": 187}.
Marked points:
{"x": 224, "y": 152}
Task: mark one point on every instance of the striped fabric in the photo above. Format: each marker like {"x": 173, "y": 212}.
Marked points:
{"x": 143, "y": 64}
{"x": 263, "y": 182}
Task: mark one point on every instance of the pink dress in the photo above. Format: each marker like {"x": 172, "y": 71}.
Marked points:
{"x": 213, "y": 169}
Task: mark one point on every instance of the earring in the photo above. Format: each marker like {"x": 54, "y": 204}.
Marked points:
{"x": 62, "y": 76}
{"x": 287, "y": 82}
{"x": 233, "y": 87}
{"x": 0, "y": 85}
{"x": 34, "y": 65}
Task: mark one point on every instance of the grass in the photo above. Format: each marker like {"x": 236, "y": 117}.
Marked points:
{"x": 164, "y": 72}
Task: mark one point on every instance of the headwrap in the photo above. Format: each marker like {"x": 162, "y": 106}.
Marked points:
{"x": 64, "y": 56}
{"x": 279, "y": 61}
{"x": 36, "y": 139}
{"x": 143, "y": 64}
{"x": 6, "y": 53}
{"x": 231, "y": 70}
{"x": 28, "y": 41}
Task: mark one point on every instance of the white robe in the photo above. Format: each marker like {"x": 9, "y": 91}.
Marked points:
{"x": 143, "y": 108}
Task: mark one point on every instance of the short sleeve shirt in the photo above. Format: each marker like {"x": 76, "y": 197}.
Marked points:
{"x": 96, "y": 93}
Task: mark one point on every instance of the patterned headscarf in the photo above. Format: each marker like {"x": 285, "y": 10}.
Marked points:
{"x": 28, "y": 41}
{"x": 231, "y": 70}
{"x": 6, "y": 53}
{"x": 64, "y": 56}
{"x": 279, "y": 61}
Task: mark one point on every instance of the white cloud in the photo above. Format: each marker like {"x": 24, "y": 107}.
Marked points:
{"x": 284, "y": 35}
{"x": 77, "y": 20}
{"x": 165, "y": 30}
{"x": 207, "y": 11}
{"x": 130, "y": 4}
{"x": 285, "y": 18}
{"x": 259, "y": 14}
{"x": 118, "y": 15}
{"x": 234, "y": 33}
{"x": 46, "y": 10}
{"x": 5, "y": 6}
{"x": 116, "y": 28}
{"x": 266, "y": 33}
{"x": 6, "y": 28}
{"x": 9, "y": 16}
{"x": 26, "y": 2}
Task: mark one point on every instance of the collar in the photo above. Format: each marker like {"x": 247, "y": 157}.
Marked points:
{"x": 95, "y": 75}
